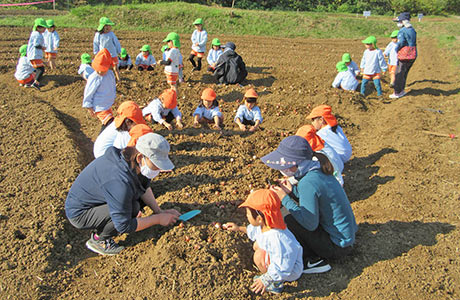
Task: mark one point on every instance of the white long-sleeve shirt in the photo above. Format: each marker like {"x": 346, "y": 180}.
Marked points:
{"x": 345, "y": 80}
{"x": 23, "y": 68}
{"x": 283, "y": 250}
{"x": 51, "y": 41}
{"x": 390, "y": 51}
{"x": 353, "y": 67}
{"x": 213, "y": 55}
{"x": 156, "y": 109}
{"x": 109, "y": 137}
{"x": 373, "y": 62}
{"x": 106, "y": 40}
{"x": 174, "y": 56}
{"x": 200, "y": 37}
{"x": 85, "y": 70}
{"x": 100, "y": 91}
{"x": 141, "y": 60}
{"x": 36, "y": 39}
{"x": 252, "y": 115}
{"x": 336, "y": 140}
{"x": 208, "y": 113}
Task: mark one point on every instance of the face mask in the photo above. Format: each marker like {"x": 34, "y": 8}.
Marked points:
{"x": 147, "y": 172}
{"x": 400, "y": 25}
{"x": 288, "y": 173}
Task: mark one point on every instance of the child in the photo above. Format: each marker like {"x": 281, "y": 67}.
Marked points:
{"x": 172, "y": 60}
{"x": 372, "y": 64}
{"x": 164, "y": 109}
{"x": 85, "y": 68}
{"x": 308, "y": 132}
{"x": 326, "y": 127}
{"x": 208, "y": 110}
{"x": 199, "y": 39}
{"x": 277, "y": 253}
{"x": 390, "y": 52}
{"x": 24, "y": 70}
{"x": 345, "y": 79}
{"x": 105, "y": 38}
{"x": 125, "y": 60}
{"x": 249, "y": 113}
{"x": 214, "y": 54}
{"x": 51, "y": 38}
{"x": 352, "y": 66}
{"x": 117, "y": 132}
{"x": 100, "y": 89}
{"x": 35, "y": 49}
{"x": 145, "y": 59}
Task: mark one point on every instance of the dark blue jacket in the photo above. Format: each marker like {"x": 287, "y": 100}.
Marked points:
{"x": 107, "y": 180}
{"x": 406, "y": 37}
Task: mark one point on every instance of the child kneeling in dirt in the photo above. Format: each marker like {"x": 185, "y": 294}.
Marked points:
{"x": 145, "y": 59}
{"x": 345, "y": 79}
{"x": 24, "y": 70}
{"x": 208, "y": 111}
{"x": 278, "y": 255}
{"x": 125, "y": 60}
{"x": 351, "y": 65}
{"x": 85, "y": 68}
{"x": 163, "y": 110}
{"x": 248, "y": 114}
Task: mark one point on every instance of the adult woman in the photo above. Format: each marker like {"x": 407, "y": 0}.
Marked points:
{"x": 320, "y": 215}
{"x": 109, "y": 192}
{"x": 407, "y": 53}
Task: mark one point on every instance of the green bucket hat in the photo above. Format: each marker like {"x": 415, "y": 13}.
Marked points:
{"x": 50, "y": 23}
{"x": 341, "y": 66}
{"x": 23, "y": 50}
{"x": 104, "y": 21}
{"x": 85, "y": 58}
{"x": 40, "y": 22}
{"x": 370, "y": 40}
{"x": 163, "y": 49}
{"x": 215, "y": 42}
{"x": 146, "y": 48}
{"x": 123, "y": 53}
{"x": 394, "y": 34}
{"x": 174, "y": 37}
{"x": 198, "y": 21}
{"x": 346, "y": 57}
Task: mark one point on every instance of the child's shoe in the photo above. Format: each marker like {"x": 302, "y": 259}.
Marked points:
{"x": 21, "y": 85}
{"x": 276, "y": 287}
{"x": 35, "y": 86}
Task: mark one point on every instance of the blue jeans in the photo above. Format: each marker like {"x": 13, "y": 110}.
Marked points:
{"x": 378, "y": 87}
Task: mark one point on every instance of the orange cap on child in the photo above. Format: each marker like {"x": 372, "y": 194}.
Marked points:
{"x": 136, "y": 132}
{"x": 102, "y": 61}
{"x": 267, "y": 202}
{"x": 169, "y": 98}
{"x": 324, "y": 111}
{"x": 208, "y": 94}
{"x": 251, "y": 93}
{"x": 308, "y": 132}
{"x": 129, "y": 110}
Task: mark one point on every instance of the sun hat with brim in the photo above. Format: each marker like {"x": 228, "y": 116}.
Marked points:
{"x": 169, "y": 98}
{"x": 308, "y": 132}
{"x": 215, "y": 42}
{"x": 174, "y": 37}
{"x": 102, "y": 61}
{"x": 324, "y": 111}
{"x": 405, "y": 16}
{"x": 40, "y": 22}
{"x": 136, "y": 132}
{"x": 251, "y": 93}
{"x": 394, "y": 34}
{"x": 341, "y": 66}
{"x": 267, "y": 202}
{"x": 290, "y": 152}
{"x": 198, "y": 21}
{"x": 156, "y": 148}
{"x": 208, "y": 94}
{"x": 85, "y": 58}
{"x": 50, "y": 23}
{"x": 146, "y": 48}
{"x": 370, "y": 40}
{"x": 129, "y": 110}
{"x": 346, "y": 57}
{"x": 104, "y": 21}
{"x": 123, "y": 53}
{"x": 23, "y": 50}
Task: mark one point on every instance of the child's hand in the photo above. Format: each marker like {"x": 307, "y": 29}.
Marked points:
{"x": 148, "y": 117}
{"x": 242, "y": 127}
{"x": 217, "y": 127}
{"x": 231, "y": 226}
{"x": 179, "y": 124}
{"x": 91, "y": 112}
{"x": 253, "y": 128}
{"x": 196, "y": 124}
{"x": 167, "y": 125}
{"x": 258, "y": 286}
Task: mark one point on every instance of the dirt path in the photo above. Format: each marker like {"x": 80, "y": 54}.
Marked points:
{"x": 403, "y": 183}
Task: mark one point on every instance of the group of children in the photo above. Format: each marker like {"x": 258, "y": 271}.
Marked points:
{"x": 372, "y": 67}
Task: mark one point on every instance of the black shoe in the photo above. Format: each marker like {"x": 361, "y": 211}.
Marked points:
{"x": 195, "y": 69}
{"x": 316, "y": 266}
{"x": 103, "y": 247}
{"x": 35, "y": 86}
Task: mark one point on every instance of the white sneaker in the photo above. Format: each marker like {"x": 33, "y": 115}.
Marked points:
{"x": 397, "y": 96}
{"x": 316, "y": 267}
{"x": 394, "y": 96}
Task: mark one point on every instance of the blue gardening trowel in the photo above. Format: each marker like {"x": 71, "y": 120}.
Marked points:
{"x": 187, "y": 216}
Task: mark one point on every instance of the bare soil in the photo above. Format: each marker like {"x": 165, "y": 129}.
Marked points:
{"x": 403, "y": 184}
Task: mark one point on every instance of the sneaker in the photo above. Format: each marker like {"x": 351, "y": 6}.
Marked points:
{"x": 28, "y": 85}
{"x": 397, "y": 96}
{"x": 276, "y": 287}
{"x": 195, "y": 69}
{"x": 103, "y": 247}
{"x": 21, "y": 85}
{"x": 392, "y": 85}
{"x": 316, "y": 267}
{"x": 35, "y": 86}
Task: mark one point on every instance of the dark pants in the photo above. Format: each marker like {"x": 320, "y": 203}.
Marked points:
{"x": 39, "y": 72}
{"x": 191, "y": 59}
{"x": 98, "y": 218}
{"x": 168, "y": 118}
{"x": 248, "y": 122}
{"x": 316, "y": 243}
{"x": 401, "y": 75}
{"x": 127, "y": 67}
{"x": 149, "y": 68}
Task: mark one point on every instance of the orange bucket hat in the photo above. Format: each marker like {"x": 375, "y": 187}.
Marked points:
{"x": 251, "y": 93}
{"x": 267, "y": 202}
{"x": 102, "y": 61}
{"x": 129, "y": 110}
{"x": 169, "y": 98}
{"x": 324, "y": 111}
{"x": 208, "y": 94}
{"x": 308, "y": 132}
{"x": 136, "y": 132}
